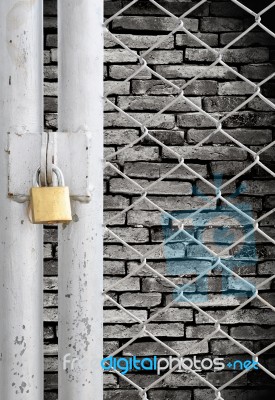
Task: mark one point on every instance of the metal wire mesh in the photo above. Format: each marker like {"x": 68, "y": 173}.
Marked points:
{"x": 220, "y": 256}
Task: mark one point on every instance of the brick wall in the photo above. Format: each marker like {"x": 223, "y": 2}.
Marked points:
{"x": 180, "y": 128}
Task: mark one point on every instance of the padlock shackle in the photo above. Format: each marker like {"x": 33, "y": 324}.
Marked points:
{"x": 57, "y": 171}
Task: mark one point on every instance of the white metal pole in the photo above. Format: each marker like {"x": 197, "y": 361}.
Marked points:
{"x": 80, "y": 243}
{"x": 21, "y": 111}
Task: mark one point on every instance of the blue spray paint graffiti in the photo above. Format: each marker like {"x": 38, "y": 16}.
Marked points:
{"x": 216, "y": 229}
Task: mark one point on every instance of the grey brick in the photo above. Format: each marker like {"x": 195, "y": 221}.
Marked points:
{"x": 144, "y": 218}
{"x": 47, "y": 251}
{"x": 164, "y": 57}
{"x": 121, "y": 317}
{"x": 214, "y": 24}
{"x": 118, "y": 56}
{"x": 131, "y": 284}
{"x": 171, "y": 394}
{"x": 269, "y": 202}
{"x": 174, "y": 6}
{"x": 142, "y": 153}
{"x": 50, "y": 364}
{"x": 160, "y": 169}
{"x": 164, "y": 121}
{"x": 188, "y": 267}
{"x": 120, "y": 219}
{"x": 222, "y": 103}
{"x": 112, "y": 87}
{"x": 266, "y": 268}
{"x": 258, "y": 104}
{"x": 182, "y": 172}
{"x": 226, "y": 347}
{"x": 200, "y": 331}
{"x": 245, "y": 136}
{"x": 242, "y": 56}
{"x": 50, "y": 268}
{"x": 130, "y": 235}
{"x": 156, "y": 103}
{"x": 112, "y": 6}
{"x": 114, "y": 268}
{"x": 124, "y": 71}
{"x": 173, "y": 314}
{"x": 253, "y": 332}
{"x": 254, "y": 316}
{"x": 50, "y": 72}
{"x": 50, "y": 22}
{"x": 165, "y": 24}
{"x": 189, "y": 120}
{"x": 267, "y": 156}
{"x": 201, "y": 88}
{"x": 50, "y": 283}
{"x": 50, "y": 315}
{"x": 49, "y": 332}
{"x": 235, "y": 88}
{"x": 250, "y": 39}
{"x": 207, "y": 301}
{"x": 51, "y": 40}
{"x": 189, "y": 71}
{"x": 257, "y": 71}
{"x": 108, "y": 106}
{"x": 115, "y": 202}
{"x": 54, "y": 55}
{"x": 182, "y": 39}
{"x": 226, "y": 9}
{"x": 50, "y": 88}
{"x": 226, "y": 168}
{"x": 120, "y": 136}
{"x": 161, "y": 286}
{"x": 207, "y": 153}
{"x": 258, "y": 188}
{"x": 50, "y": 300}
{"x": 110, "y": 381}
{"x": 110, "y": 346}
{"x": 139, "y": 41}
{"x": 46, "y": 57}
{"x": 143, "y": 300}
{"x": 154, "y": 348}
{"x": 174, "y": 203}
{"x": 119, "y": 185}
{"x": 121, "y": 395}
{"x": 250, "y": 119}
{"x": 117, "y": 252}
{"x": 51, "y": 383}
{"x": 173, "y": 137}
{"x": 142, "y": 170}
{"x": 155, "y": 87}
{"x": 50, "y": 104}
{"x": 50, "y": 7}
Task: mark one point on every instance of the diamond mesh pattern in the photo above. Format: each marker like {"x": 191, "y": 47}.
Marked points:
{"x": 142, "y": 191}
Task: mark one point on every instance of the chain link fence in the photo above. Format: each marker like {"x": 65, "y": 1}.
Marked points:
{"x": 178, "y": 226}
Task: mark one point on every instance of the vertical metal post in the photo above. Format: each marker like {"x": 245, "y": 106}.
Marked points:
{"x": 21, "y": 289}
{"x": 80, "y": 243}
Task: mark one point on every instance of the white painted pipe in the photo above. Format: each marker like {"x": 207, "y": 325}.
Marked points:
{"x": 21, "y": 289}
{"x": 80, "y": 243}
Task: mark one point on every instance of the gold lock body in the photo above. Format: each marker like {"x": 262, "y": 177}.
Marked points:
{"x": 50, "y": 205}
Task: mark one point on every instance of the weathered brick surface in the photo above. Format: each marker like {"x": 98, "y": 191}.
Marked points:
{"x": 145, "y": 23}
{"x": 242, "y": 56}
{"x": 217, "y": 91}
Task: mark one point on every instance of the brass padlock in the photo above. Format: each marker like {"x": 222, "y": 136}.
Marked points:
{"x": 50, "y": 204}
